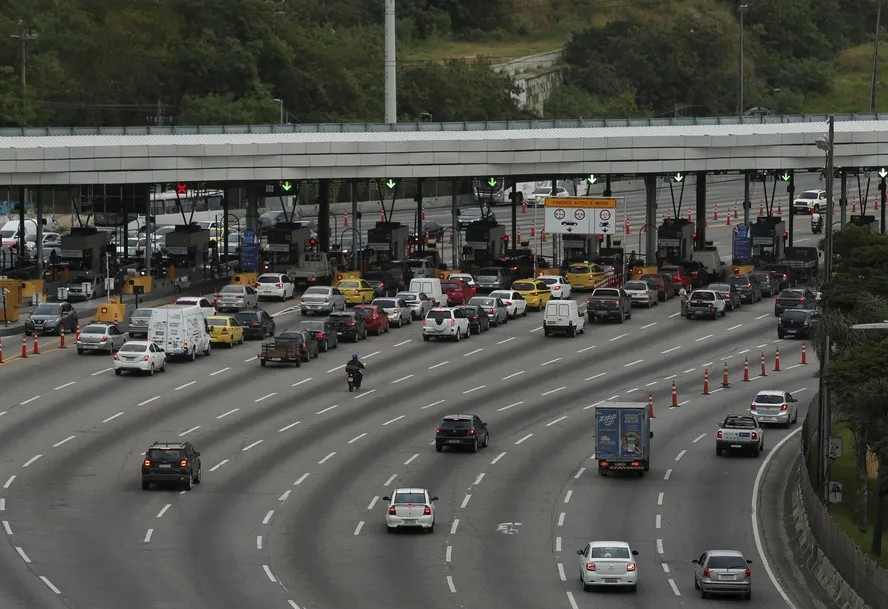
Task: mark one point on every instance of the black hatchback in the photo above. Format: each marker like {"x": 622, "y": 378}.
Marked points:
{"x": 256, "y": 322}
{"x": 457, "y": 430}
{"x": 479, "y": 321}
{"x": 323, "y": 331}
{"x": 348, "y": 325}
{"x": 305, "y": 340}
{"x": 797, "y": 322}
{"x": 800, "y": 298}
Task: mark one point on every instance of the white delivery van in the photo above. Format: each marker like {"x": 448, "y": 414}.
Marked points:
{"x": 564, "y": 317}
{"x": 431, "y": 287}
{"x": 180, "y": 330}
{"x": 11, "y": 231}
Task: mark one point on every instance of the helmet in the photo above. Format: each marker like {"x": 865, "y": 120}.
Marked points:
{"x": 354, "y": 356}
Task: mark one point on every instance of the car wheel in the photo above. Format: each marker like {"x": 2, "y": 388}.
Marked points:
{"x": 718, "y": 451}
{"x": 748, "y": 595}
{"x": 150, "y": 370}
{"x": 118, "y": 371}
{"x": 207, "y": 350}
{"x": 703, "y": 593}
{"x": 189, "y": 483}
{"x": 431, "y": 529}
{"x": 426, "y": 338}
{"x": 458, "y": 335}
{"x": 475, "y": 446}
{"x": 145, "y": 485}
{"x": 439, "y": 447}
{"x": 163, "y": 366}
{"x": 193, "y": 355}
{"x": 197, "y": 477}
{"x": 486, "y": 440}
{"x": 586, "y": 587}
{"x": 780, "y": 334}
{"x": 696, "y": 584}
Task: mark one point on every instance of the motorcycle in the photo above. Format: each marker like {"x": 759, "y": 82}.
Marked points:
{"x": 353, "y": 380}
{"x": 817, "y": 227}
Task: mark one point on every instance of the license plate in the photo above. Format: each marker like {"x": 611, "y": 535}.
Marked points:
{"x": 736, "y": 446}
{"x": 611, "y": 580}
{"x": 275, "y": 359}
{"x": 165, "y": 465}
{"x": 338, "y": 333}
{"x": 727, "y": 577}
{"x": 769, "y": 419}
{"x": 453, "y": 441}
{"x": 409, "y": 521}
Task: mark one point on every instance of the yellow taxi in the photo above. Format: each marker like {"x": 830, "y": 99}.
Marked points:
{"x": 356, "y": 291}
{"x": 225, "y": 330}
{"x": 534, "y": 291}
{"x": 584, "y": 275}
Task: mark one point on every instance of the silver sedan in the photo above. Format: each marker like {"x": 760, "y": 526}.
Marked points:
{"x": 495, "y": 308}
{"x": 419, "y": 303}
{"x": 236, "y": 298}
{"x": 399, "y": 313}
{"x": 100, "y": 337}
{"x": 641, "y": 293}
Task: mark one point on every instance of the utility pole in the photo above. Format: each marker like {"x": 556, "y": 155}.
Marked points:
{"x": 25, "y": 37}
{"x": 391, "y": 91}
{"x": 742, "y": 8}
{"x": 875, "y": 59}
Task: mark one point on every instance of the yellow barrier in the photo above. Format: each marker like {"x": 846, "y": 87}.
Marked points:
{"x": 111, "y": 312}
{"x": 549, "y": 271}
{"x": 13, "y": 299}
{"x": 244, "y": 278}
{"x": 142, "y": 280}
{"x": 340, "y": 275}
{"x": 637, "y": 272}
{"x": 742, "y": 269}
{"x": 31, "y": 286}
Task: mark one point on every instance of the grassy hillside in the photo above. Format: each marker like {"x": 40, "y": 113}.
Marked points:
{"x": 851, "y": 88}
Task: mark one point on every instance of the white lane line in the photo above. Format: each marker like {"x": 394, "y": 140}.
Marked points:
{"x": 680, "y": 455}
{"x": 735, "y": 327}
{"x": 497, "y": 458}
{"x": 50, "y": 585}
{"x": 112, "y": 417}
{"x": 537, "y": 329}
{"x": 411, "y": 459}
{"x": 189, "y": 384}
{"x": 365, "y": 393}
{"x": 561, "y": 574}
{"x": 561, "y": 519}
{"x": 268, "y": 517}
{"x": 336, "y": 368}
{"x": 68, "y": 384}
{"x": 551, "y": 361}
{"x": 225, "y": 369}
{"x": 762, "y": 317}
{"x": 697, "y": 340}
{"x": 660, "y": 498}
{"x": 265, "y": 397}
{"x": 444, "y": 363}
{"x": 684, "y": 402}
{"x": 667, "y": 474}
{"x": 707, "y": 364}
{"x": 390, "y": 421}
{"x": 369, "y": 355}
{"x": 247, "y": 361}
{"x": 327, "y": 409}
{"x": 670, "y": 377}
{"x": 2, "y": 504}
{"x": 359, "y": 527}
{"x": 302, "y": 479}
{"x": 163, "y": 510}
{"x": 675, "y": 315}
{"x": 9, "y": 481}
{"x": 300, "y": 382}
{"x": 763, "y": 345}
{"x": 579, "y": 473}
{"x": 744, "y": 351}
{"x": 187, "y": 431}
{"x": 475, "y": 389}
{"x": 285, "y": 495}
{"x": 448, "y": 554}
{"x": 638, "y": 361}
{"x": 403, "y": 378}
{"x": 356, "y": 438}
{"x": 473, "y": 352}
{"x": 558, "y": 420}
{"x": 291, "y": 425}
{"x": 633, "y": 390}
{"x": 592, "y": 378}
{"x": 509, "y": 406}
{"x": 29, "y": 400}
{"x": 7, "y": 528}
{"x": 674, "y": 587}
{"x": 793, "y": 366}
{"x": 553, "y": 391}
{"x": 670, "y": 350}
{"x": 528, "y": 436}
{"x": 327, "y": 458}
{"x": 659, "y": 546}
{"x": 454, "y": 526}
{"x": 269, "y": 573}
{"x": 613, "y": 397}
{"x": 390, "y": 479}
{"x": 618, "y": 337}
{"x": 31, "y": 460}
{"x": 148, "y": 535}
{"x": 511, "y": 376}
{"x": 567, "y": 496}
{"x": 432, "y": 404}
{"x": 373, "y": 502}
{"x": 558, "y": 544}
{"x": 225, "y": 414}
{"x": 571, "y": 600}
{"x": 800, "y": 390}
{"x": 698, "y": 438}
{"x": 665, "y": 567}
{"x": 658, "y": 523}
{"x": 403, "y": 342}
{"x": 253, "y": 445}
{"x": 148, "y": 401}
{"x": 218, "y": 465}
{"x": 22, "y": 554}
{"x": 505, "y": 341}
{"x": 648, "y": 326}
{"x": 465, "y": 502}
{"x": 450, "y": 584}
{"x": 584, "y": 349}
{"x": 101, "y": 371}
{"x": 688, "y": 370}
{"x": 479, "y": 479}
{"x": 3, "y": 412}
{"x": 258, "y": 542}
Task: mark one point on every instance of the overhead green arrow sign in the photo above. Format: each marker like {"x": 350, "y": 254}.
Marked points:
{"x": 592, "y": 179}
{"x": 491, "y": 182}
{"x": 883, "y": 172}
{"x": 391, "y": 183}
{"x": 287, "y": 186}
{"x": 785, "y": 176}
{"x": 678, "y": 177}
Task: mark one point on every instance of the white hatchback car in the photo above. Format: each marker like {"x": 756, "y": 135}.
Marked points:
{"x": 465, "y": 277}
{"x": 275, "y": 285}
{"x": 608, "y": 563}
{"x": 206, "y": 307}
{"x": 773, "y": 406}
{"x": 514, "y": 301}
{"x": 139, "y": 356}
{"x": 641, "y": 292}
{"x": 558, "y": 285}
{"x": 445, "y": 323}
{"x": 410, "y": 508}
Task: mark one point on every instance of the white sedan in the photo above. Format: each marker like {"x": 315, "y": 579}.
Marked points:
{"x": 410, "y": 508}
{"x": 465, "y": 277}
{"x": 514, "y": 301}
{"x": 275, "y": 285}
{"x": 139, "y": 356}
{"x": 196, "y": 301}
{"x": 608, "y": 563}
{"x": 641, "y": 292}
{"x": 558, "y": 285}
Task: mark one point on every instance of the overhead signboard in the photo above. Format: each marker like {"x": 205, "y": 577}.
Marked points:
{"x": 582, "y": 215}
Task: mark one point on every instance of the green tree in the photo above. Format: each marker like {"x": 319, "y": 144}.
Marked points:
{"x": 571, "y": 101}
{"x": 859, "y": 267}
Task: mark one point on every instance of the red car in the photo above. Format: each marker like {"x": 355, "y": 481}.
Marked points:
{"x": 375, "y": 319}
{"x": 656, "y": 281}
{"x": 458, "y": 292}
{"x": 679, "y": 276}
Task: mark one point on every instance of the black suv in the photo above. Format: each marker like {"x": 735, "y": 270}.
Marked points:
{"x": 175, "y": 462}
{"x": 256, "y": 322}
{"x": 797, "y": 322}
{"x": 461, "y": 430}
{"x": 323, "y": 331}
{"x": 348, "y": 325}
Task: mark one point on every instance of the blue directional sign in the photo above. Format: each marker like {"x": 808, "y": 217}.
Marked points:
{"x": 742, "y": 243}
{"x": 249, "y": 253}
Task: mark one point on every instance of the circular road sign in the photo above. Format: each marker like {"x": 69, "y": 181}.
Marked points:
{"x": 579, "y": 214}
{"x": 559, "y": 214}
{"x": 604, "y": 214}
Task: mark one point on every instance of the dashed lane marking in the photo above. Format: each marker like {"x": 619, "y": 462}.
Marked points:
{"x": 528, "y": 436}
{"x": 506, "y": 340}
{"x": 225, "y": 369}
{"x": 411, "y": 459}
{"x": 218, "y": 465}
{"x": 583, "y": 350}
{"x": 537, "y": 329}
{"x": 68, "y": 384}
{"x": 473, "y": 352}
{"x": 163, "y": 510}
{"x": 327, "y": 409}
{"x": 285, "y": 495}
{"x": 403, "y": 342}
{"x": 336, "y": 368}
{"x": 633, "y": 390}
{"x": 558, "y": 420}
{"x": 572, "y": 600}
{"x": 567, "y": 496}
{"x": 618, "y": 337}
{"x": 444, "y": 363}
{"x": 359, "y": 527}
{"x": 665, "y": 567}
{"x": 595, "y": 376}
{"x": 560, "y": 519}
{"x": 189, "y": 384}
{"x": 551, "y": 361}
{"x": 450, "y": 584}
{"x": 674, "y": 587}
{"x": 762, "y": 317}
{"x": 225, "y": 414}
{"x": 360, "y": 395}
{"x": 658, "y": 522}
{"x": 253, "y": 445}
{"x": 454, "y": 526}
{"x": 21, "y": 553}
{"x": 269, "y": 573}
{"x": 290, "y": 426}
{"x": 675, "y": 315}
{"x": 558, "y": 544}
{"x": 50, "y": 585}
{"x": 296, "y": 384}
{"x": 660, "y": 546}
{"x": 258, "y": 542}
{"x": 735, "y": 327}
{"x": 550, "y": 392}
{"x": 114, "y": 416}
{"x": 667, "y": 474}
{"x": 327, "y": 458}
{"x": 187, "y": 431}
{"x": 698, "y": 438}
{"x": 148, "y": 401}
{"x": 432, "y": 404}
{"x": 390, "y": 421}
{"x": 689, "y": 370}
{"x": 697, "y": 340}
{"x": 356, "y": 438}
{"x": 252, "y": 359}
{"x": 148, "y": 535}
{"x": 497, "y": 458}
{"x": 474, "y": 389}
{"x": 403, "y": 378}
{"x": 478, "y": 479}
{"x": 660, "y": 498}
{"x": 649, "y": 325}
{"x": 390, "y": 480}
{"x": 29, "y": 400}
{"x": 268, "y": 516}
{"x": 373, "y": 502}
{"x": 265, "y": 397}
{"x": 465, "y": 502}
{"x": 744, "y": 351}
{"x": 670, "y": 377}
{"x": 511, "y": 376}
{"x": 7, "y": 528}
{"x": 448, "y": 554}
{"x": 561, "y": 574}
{"x": 301, "y": 479}
{"x": 670, "y": 350}
{"x": 101, "y": 371}
{"x": 680, "y": 455}
{"x": 684, "y": 402}
{"x": 31, "y": 460}
{"x": 638, "y": 361}
{"x": 579, "y": 473}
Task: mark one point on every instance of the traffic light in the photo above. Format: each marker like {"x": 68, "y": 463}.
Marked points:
{"x": 693, "y": 235}
{"x": 506, "y": 240}
{"x": 785, "y": 237}
{"x": 600, "y": 238}
{"x": 312, "y": 243}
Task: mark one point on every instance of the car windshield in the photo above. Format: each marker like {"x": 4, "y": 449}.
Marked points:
{"x": 721, "y": 287}
{"x": 133, "y": 348}
{"x": 456, "y": 424}
{"x": 317, "y": 290}
{"x": 408, "y": 297}
{"x": 472, "y": 211}
{"x": 790, "y": 295}
{"x": 470, "y": 310}
{"x": 768, "y": 398}
{"x": 523, "y": 287}
{"x": 95, "y": 329}
{"x": 385, "y": 303}
{"x": 349, "y": 285}
{"x": 483, "y": 302}
{"x": 270, "y": 279}
{"x": 217, "y": 322}
{"x": 245, "y": 316}
{"x": 409, "y": 498}
{"x": 142, "y": 313}
{"x": 47, "y": 309}
{"x": 795, "y": 315}
{"x": 232, "y": 289}
{"x": 160, "y": 454}
{"x": 703, "y": 296}
{"x": 809, "y": 194}
{"x": 726, "y": 562}
{"x": 743, "y": 422}
{"x": 654, "y": 280}
{"x": 7, "y": 234}
{"x": 672, "y": 270}
{"x": 606, "y": 292}
{"x": 635, "y": 285}
{"x": 489, "y": 271}
{"x": 548, "y": 280}
{"x": 610, "y": 552}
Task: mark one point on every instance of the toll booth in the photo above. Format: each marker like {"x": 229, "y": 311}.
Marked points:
{"x": 386, "y": 241}
{"x": 287, "y": 242}
{"x": 768, "y": 239}
{"x": 82, "y": 249}
{"x": 578, "y": 248}
{"x": 675, "y": 239}
{"x": 610, "y": 256}
{"x": 866, "y": 221}
{"x": 484, "y": 243}
{"x": 188, "y": 246}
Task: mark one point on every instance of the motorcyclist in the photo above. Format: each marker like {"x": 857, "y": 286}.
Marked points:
{"x": 354, "y": 366}
{"x": 683, "y": 297}
{"x": 816, "y": 221}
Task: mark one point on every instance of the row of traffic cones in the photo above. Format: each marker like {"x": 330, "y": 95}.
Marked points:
{"x": 725, "y": 380}
{"x": 35, "y": 348}
{"x": 651, "y": 401}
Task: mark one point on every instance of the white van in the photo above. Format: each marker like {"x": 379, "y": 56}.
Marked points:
{"x": 564, "y": 317}
{"x": 180, "y": 330}
{"x": 11, "y": 231}
{"x": 431, "y": 287}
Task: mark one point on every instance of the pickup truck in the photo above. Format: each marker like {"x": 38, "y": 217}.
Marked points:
{"x": 313, "y": 269}
{"x": 608, "y": 303}
{"x": 281, "y": 350}
{"x": 623, "y": 437}
{"x": 741, "y": 433}
{"x": 707, "y": 303}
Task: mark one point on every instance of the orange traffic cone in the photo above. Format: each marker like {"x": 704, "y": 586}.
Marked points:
{"x": 628, "y": 229}
{"x": 761, "y": 210}
{"x": 763, "y": 365}
{"x": 706, "y": 382}
{"x": 745, "y": 369}
{"x": 674, "y": 396}
{"x": 725, "y": 383}
{"x": 804, "y": 354}
{"x": 651, "y": 406}
{"x": 727, "y": 219}
{"x": 382, "y": 216}
{"x": 36, "y": 347}
{"x": 62, "y": 338}
{"x": 345, "y": 219}
{"x": 544, "y": 236}
{"x": 24, "y": 347}
{"x": 533, "y": 229}
{"x": 77, "y": 336}
{"x": 523, "y": 207}
{"x": 715, "y": 214}
{"x": 853, "y": 206}
{"x": 735, "y": 210}
{"x": 777, "y": 360}
{"x": 779, "y": 210}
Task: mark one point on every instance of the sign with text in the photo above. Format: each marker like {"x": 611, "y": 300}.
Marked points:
{"x": 582, "y": 216}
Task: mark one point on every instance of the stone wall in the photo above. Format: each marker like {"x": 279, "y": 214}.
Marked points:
{"x": 536, "y": 75}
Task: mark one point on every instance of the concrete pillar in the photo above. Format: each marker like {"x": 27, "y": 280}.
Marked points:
{"x": 420, "y": 234}
{"x": 514, "y": 199}
{"x": 20, "y": 246}
{"x": 747, "y": 204}
{"x": 324, "y": 215}
{"x": 226, "y": 198}
{"x": 39, "y": 244}
{"x": 650, "y": 218}
{"x": 700, "y": 227}
{"x": 354, "y": 231}
{"x": 454, "y": 222}
{"x": 607, "y": 194}
{"x": 251, "y": 194}
{"x": 843, "y": 199}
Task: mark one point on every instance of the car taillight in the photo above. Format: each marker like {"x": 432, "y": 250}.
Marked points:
{"x": 115, "y": 357}
{"x": 630, "y": 566}
{"x": 784, "y": 406}
{"x": 470, "y": 432}
{"x": 146, "y": 463}
{"x": 427, "y": 511}
{"x": 754, "y": 435}
{"x": 104, "y": 338}
{"x": 778, "y": 301}
{"x": 224, "y": 330}
{"x": 635, "y": 464}
{"x": 392, "y": 511}
{"x": 590, "y": 566}
{"x": 352, "y": 323}
{"x": 302, "y": 298}
{"x": 706, "y": 572}
{"x": 693, "y": 273}
{"x": 255, "y": 323}
{"x": 718, "y": 435}
{"x": 747, "y": 573}
{"x": 183, "y": 463}
{"x": 320, "y": 335}
{"x": 438, "y": 431}
{"x": 357, "y": 292}
{"x": 801, "y": 301}
{"x": 602, "y": 464}
{"x": 452, "y": 322}
{"x": 145, "y": 358}
{"x": 240, "y": 296}
{"x": 752, "y": 406}
{"x": 425, "y": 322}
{"x": 591, "y": 276}
{"x": 304, "y": 345}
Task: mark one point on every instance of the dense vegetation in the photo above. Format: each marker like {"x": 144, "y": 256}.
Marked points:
{"x": 137, "y": 62}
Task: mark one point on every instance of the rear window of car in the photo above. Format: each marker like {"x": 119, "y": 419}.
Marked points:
{"x": 242, "y": 317}
{"x": 721, "y": 287}
{"x": 790, "y": 294}
{"x": 523, "y": 287}
{"x": 291, "y": 335}
{"x": 703, "y": 296}
{"x": 217, "y": 322}
{"x": 768, "y": 398}
{"x": 469, "y": 310}
{"x": 349, "y": 284}
{"x": 578, "y": 268}
{"x": 726, "y": 562}
{"x": 385, "y": 303}
{"x": 739, "y": 280}
{"x": 95, "y": 329}
{"x": 744, "y": 422}
{"x": 489, "y": 271}
{"x": 634, "y": 285}
{"x": 610, "y": 552}
{"x": 409, "y": 498}
{"x": 549, "y": 281}
{"x": 133, "y": 348}
{"x": 232, "y": 289}
{"x": 317, "y": 290}
{"x": 653, "y": 279}
{"x": 482, "y": 302}
{"x": 142, "y": 313}
{"x": 450, "y": 285}
{"x": 408, "y": 297}
{"x": 795, "y": 315}
{"x": 456, "y": 424}
{"x": 270, "y": 279}
{"x": 158, "y": 454}
{"x": 364, "y": 312}
{"x": 438, "y": 315}
{"x": 762, "y": 275}
{"x": 611, "y": 293}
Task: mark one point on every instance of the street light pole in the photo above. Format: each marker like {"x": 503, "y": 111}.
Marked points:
{"x": 742, "y": 8}
{"x": 875, "y": 58}
{"x": 25, "y": 38}
{"x": 280, "y": 103}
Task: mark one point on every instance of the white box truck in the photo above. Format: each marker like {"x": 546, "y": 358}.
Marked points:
{"x": 180, "y": 330}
